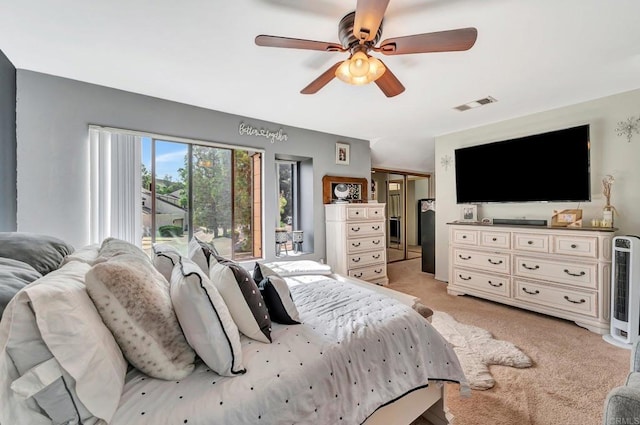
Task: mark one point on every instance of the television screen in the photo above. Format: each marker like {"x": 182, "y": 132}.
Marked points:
{"x": 547, "y": 167}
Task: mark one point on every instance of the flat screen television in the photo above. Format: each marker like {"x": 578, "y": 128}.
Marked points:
{"x": 546, "y": 167}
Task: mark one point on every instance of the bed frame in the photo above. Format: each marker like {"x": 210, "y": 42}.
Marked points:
{"x": 428, "y": 402}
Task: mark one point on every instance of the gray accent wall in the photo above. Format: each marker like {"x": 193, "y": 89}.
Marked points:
{"x": 53, "y": 116}
{"x": 8, "y": 197}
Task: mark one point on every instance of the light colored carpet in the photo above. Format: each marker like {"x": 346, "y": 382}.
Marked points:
{"x": 573, "y": 369}
{"x": 477, "y": 349}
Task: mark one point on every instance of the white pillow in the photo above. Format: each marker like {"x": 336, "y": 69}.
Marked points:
{"x": 297, "y": 268}
{"x": 165, "y": 257}
{"x": 134, "y": 301}
{"x": 205, "y": 319}
{"x": 202, "y": 253}
{"x": 86, "y": 254}
{"x": 51, "y": 330}
{"x": 243, "y": 298}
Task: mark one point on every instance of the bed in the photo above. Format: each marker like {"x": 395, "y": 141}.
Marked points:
{"x": 360, "y": 355}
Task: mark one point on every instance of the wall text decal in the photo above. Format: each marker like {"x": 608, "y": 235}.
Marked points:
{"x": 272, "y": 136}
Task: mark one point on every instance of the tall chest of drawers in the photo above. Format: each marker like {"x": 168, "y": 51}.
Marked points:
{"x": 356, "y": 241}
{"x": 564, "y": 273}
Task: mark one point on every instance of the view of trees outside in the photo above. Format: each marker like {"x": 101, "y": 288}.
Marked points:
{"x": 221, "y": 197}
{"x": 285, "y": 172}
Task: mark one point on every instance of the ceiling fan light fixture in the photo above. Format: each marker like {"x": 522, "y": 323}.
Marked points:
{"x": 360, "y": 69}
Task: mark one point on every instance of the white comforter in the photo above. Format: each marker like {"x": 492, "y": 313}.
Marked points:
{"x": 356, "y": 351}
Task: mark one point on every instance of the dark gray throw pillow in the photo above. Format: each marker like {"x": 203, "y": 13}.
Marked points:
{"x": 14, "y": 275}
{"x": 42, "y": 252}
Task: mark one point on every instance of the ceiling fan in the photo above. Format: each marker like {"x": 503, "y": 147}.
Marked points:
{"x": 359, "y": 33}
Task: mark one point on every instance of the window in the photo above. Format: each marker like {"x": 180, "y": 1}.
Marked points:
{"x": 187, "y": 188}
{"x": 287, "y": 217}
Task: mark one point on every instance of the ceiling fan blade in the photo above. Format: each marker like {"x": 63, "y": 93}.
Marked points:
{"x": 443, "y": 41}
{"x": 322, "y": 80}
{"x": 296, "y": 43}
{"x": 389, "y": 84}
{"x": 369, "y": 14}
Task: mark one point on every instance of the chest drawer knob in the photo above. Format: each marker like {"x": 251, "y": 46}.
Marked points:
{"x": 355, "y": 229}
{"x": 536, "y": 267}
{"x": 375, "y": 257}
{"x": 376, "y": 242}
{"x": 378, "y": 271}
{"x": 356, "y": 260}
{"x": 464, "y": 258}
{"x": 530, "y": 242}
{"x": 494, "y": 262}
{"x": 355, "y": 245}
{"x": 357, "y": 212}
{"x": 358, "y": 274}
{"x": 495, "y": 285}
{"x": 536, "y": 292}
{"x": 574, "y": 246}
{"x": 582, "y": 273}
{"x": 582, "y": 300}
{"x": 464, "y": 278}
{"x": 464, "y": 236}
{"x": 375, "y": 227}
{"x": 494, "y": 239}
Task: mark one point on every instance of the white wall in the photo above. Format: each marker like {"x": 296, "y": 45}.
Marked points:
{"x": 610, "y": 154}
{"x": 53, "y": 115}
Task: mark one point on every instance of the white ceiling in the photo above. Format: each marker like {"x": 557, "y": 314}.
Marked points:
{"x": 531, "y": 55}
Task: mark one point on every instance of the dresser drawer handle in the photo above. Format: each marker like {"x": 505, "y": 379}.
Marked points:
{"x": 357, "y": 212}
{"x": 536, "y": 292}
{"x": 582, "y": 273}
{"x": 582, "y": 300}
{"x": 376, "y": 256}
{"x": 494, "y": 262}
{"x": 464, "y": 278}
{"x": 355, "y": 229}
{"x": 494, "y": 239}
{"x": 376, "y": 242}
{"x": 464, "y": 236}
{"x": 375, "y": 227}
{"x": 357, "y": 274}
{"x": 464, "y": 258}
{"x": 574, "y": 246}
{"x": 536, "y": 267}
{"x": 376, "y": 212}
{"x": 495, "y": 285}
{"x": 378, "y": 271}
{"x": 356, "y": 260}
{"x": 530, "y": 242}
{"x": 355, "y": 245}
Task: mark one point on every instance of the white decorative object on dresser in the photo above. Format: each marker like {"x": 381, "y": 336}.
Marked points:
{"x": 356, "y": 241}
{"x": 560, "y": 272}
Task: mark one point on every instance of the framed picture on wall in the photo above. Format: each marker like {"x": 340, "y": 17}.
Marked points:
{"x": 342, "y": 153}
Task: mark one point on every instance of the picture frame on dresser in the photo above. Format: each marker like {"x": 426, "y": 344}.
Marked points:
{"x": 469, "y": 213}
{"x": 357, "y": 187}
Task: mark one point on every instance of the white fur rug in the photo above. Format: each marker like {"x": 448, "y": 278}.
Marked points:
{"x": 477, "y": 349}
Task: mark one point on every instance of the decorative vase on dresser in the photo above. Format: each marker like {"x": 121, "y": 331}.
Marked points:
{"x": 561, "y": 272}
{"x": 356, "y": 241}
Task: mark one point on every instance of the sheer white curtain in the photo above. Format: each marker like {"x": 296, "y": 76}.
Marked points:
{"x": 116, "y": 184}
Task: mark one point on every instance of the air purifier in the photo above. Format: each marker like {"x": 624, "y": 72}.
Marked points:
{"x": 625, "y": 291}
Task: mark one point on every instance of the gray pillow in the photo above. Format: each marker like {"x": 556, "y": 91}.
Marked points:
{"x": 14, "y": 275}
{"x": 43, "y": 253}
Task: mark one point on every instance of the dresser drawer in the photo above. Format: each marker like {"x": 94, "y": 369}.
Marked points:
{"x": 364, "y": 244}
{"x": 483, "y": 282}
{"x": 365, "y": 228}
{"x": 491, "y": 261}
{"x": 585, "y": 275}
{"x": 369, "y": 273}
{"x": 365, "y": 212}
{"x": 531, "y": 242}
{"x": 582, "y": 302}
{"x": 465, "y": 236}
{"x": 495, "y": 239}
{"x": 365, "y": 258}
{"x": 576, "y": 245}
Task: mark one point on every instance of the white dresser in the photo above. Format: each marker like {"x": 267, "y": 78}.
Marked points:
{"x": 557, "y": 271}
{"x": 356, "y": 241}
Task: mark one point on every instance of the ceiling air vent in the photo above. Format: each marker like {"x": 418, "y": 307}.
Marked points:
{"x": 480, "y": 102}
